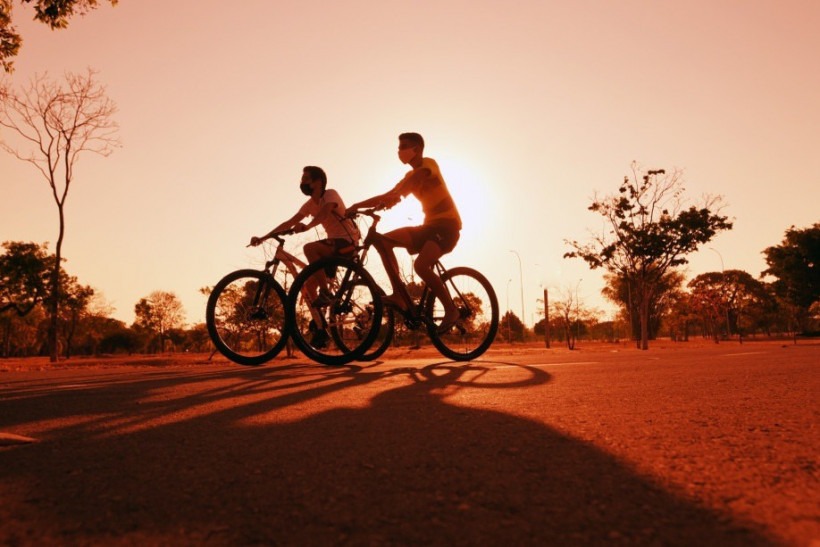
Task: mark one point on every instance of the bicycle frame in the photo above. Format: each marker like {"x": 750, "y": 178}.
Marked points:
{"x": 415, "y": 317}
{"x": 293, "y": 265}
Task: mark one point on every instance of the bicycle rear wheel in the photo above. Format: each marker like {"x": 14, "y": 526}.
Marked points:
{"x": 336, "y": 311}
{"x": 246, "y": 317}
{"x": 477, "y": 303}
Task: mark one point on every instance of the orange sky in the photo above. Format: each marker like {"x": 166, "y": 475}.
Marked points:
{"x": 529, "y": 107}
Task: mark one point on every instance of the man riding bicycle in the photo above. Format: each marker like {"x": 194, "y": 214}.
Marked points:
{"x": 437, "y": 236}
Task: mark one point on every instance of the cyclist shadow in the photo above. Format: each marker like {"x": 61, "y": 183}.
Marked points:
{"x": 412, "y": 455}
{"x": 419, "y": 466}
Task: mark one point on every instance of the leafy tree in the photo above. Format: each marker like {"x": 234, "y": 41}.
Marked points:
{"x": 74, "y": 308}
{"x": 54, "y": 13}
{"x": 55, "y": 123}
{"x": 24, "y": 270}
{"x": 707, "y": 302}
{"x": 511, "y": 327}
{"x": 198, "y": 338}
{"x": 740, "y": 299}
{"x": 121, "y": 339}
{"x": 679, "y": 315}
{"x": 605, "y": 330}
{"x": 795, "y": 264}
{"x": 618, "y": 291}
{"x": 93, "y": 326}
{"x": 20, "y": 336}
{"x": 159, "y": 313}
{"x": 650, "y": 232}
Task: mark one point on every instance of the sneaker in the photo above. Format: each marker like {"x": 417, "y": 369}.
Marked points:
{"x": 323, "y": 300}
{"x": 319, "y": 339}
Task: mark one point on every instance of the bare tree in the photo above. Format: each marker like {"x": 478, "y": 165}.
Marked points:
{"x": 570, "y": 313}
{"x": 650, "y": 232}
{"x": 55, "y": 122}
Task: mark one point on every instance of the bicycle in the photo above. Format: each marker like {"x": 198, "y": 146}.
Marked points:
{"x": 246, "y": 311}
{"x": 471, "y": 291}
{"x": 246, "y": 314}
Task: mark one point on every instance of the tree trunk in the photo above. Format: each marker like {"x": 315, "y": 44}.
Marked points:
{"x": 570, "y": 340}
{"x": 55, "y": 290}
{"x": 53, "y": 310}
{"x": 644, "y": 342}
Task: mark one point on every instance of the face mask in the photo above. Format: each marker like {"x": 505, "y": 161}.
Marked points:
{"x": 305, "y": 188}
{"x": 407, "y": 154}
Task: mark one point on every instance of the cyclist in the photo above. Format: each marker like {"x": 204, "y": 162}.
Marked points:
{"x": 327, "y": 209}
{"x": 437, "y": 235}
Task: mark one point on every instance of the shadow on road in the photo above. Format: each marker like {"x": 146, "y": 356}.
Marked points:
{"x": 298, "y": 455}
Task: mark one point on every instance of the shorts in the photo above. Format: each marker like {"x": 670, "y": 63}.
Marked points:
{"x": 341, "y": 246}
{"x": 445, "y": 233}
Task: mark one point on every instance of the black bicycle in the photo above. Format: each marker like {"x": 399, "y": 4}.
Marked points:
{"x": 472, "y": 293}
{"x": 246, "y": 311}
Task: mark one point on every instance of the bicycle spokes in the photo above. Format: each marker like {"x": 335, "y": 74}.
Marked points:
{"x": 341, "y": 301}
{"x": 246, "y": 318}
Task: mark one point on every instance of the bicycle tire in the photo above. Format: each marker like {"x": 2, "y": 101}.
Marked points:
{"x": 242, "y": 328}
{"x": 352, "y": 313}
{"x": 383, "y": 338}
{"x": 478, "y": 305}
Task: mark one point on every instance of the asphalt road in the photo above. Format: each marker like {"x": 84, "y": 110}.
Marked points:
{"x": 679, "y": 445}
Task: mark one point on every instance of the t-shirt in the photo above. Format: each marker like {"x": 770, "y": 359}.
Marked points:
{"x": 334, "y": 223}
{"x": 432, "y": 192}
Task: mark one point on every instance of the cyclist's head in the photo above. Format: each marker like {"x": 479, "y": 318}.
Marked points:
{"x": 413, "y": 139}
{"x": 316, "y": 173}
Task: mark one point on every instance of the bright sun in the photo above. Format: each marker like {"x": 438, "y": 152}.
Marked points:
{"x": 472, "y": 198}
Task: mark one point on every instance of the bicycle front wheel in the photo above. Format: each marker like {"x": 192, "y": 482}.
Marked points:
{"x": 478, "y": 306}
{"x": 383, "y": 338}
{"x": 335, "y": 310}
{"x": 246, "y": 317}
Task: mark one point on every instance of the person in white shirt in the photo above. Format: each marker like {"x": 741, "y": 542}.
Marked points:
{"x": 326, "y": 208}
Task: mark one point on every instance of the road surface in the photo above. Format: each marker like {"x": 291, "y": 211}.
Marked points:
{"x": 680, "y": 445}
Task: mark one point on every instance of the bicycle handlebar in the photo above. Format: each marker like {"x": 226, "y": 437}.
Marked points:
{"x": 278, "y": 236}
{"x": 371, "y": 212}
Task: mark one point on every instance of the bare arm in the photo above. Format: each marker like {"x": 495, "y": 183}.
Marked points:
{"x": 392, "y": 197}
{"x": 387, "y": 200}
{"x": 289, "y": 224}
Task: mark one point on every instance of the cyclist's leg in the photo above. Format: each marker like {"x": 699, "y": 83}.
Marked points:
{"x": 439, "y": 239}
{"x": 314, "y": 251}
{"x": 385, "y": 245}
{"x": 317, "y": 250}
{"x": 428, "y": 256}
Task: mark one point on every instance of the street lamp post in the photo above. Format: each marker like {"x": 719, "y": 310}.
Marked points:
{"x": 577, "y": 313}
{"x": 521, "y": 280}
{"x": 546, "y": 318}
{"x": 509, "y": 337}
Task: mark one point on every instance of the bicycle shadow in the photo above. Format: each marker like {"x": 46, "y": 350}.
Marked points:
{"x": 415, "y": 463}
